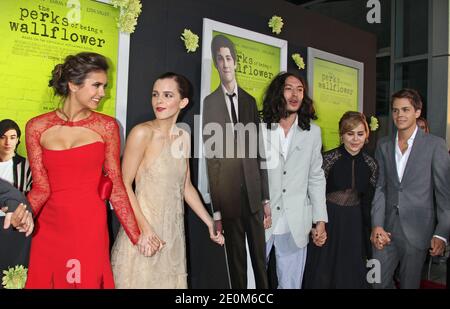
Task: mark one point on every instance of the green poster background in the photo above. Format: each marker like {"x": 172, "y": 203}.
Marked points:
{"x": 335, "y": 92}
{"x": 257, "y": 65}
{"x": 38, "y": 34}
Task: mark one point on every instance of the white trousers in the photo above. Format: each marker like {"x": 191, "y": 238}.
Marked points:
{"x": 290, "y": 260}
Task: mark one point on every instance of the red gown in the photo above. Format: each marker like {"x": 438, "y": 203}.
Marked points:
{"x": 70, "y": 247}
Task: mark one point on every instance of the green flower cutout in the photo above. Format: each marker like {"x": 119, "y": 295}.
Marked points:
{"x": 129, "y": 13}
{"x": 120, "y": 3}
{"x": 276, "y": 24}
{"x": 190, "y": 40}
{"x": 15, "y": 277}
{"x": 373, "y": 123}
{"x": 299, "y": 61}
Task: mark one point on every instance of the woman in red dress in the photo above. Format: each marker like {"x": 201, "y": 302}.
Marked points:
{"x": 68, "y": 149}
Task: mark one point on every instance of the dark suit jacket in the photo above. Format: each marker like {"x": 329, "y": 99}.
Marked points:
{"x": 11, "y": 197}
{"x": 22, "y": 173}
{"x": 427, "y": 171}
{"x": 14, "y": 245}
{"x": 224, "y": 173}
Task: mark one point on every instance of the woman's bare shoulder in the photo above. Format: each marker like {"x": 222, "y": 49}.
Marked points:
{"x": 143, "y": 131}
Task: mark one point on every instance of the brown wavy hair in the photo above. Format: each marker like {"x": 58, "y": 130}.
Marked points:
{"x": 75, "y": 69}
{"x": 351, "y": 120}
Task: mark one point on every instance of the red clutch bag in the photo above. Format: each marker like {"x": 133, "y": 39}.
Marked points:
{"x": 105, "y": 187}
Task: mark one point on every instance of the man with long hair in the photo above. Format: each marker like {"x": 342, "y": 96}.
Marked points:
{"x": 296, "y": 179}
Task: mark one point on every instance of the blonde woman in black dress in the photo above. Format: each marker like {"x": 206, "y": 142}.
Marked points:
{"x": 351, "y": 178}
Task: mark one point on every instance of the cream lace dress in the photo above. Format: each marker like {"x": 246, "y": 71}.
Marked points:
{"x": 159, "y": 191}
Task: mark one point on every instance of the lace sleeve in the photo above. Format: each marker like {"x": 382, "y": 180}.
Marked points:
{"x": 329, "y": 158}
{"x": 366, "y": 201}
{"x": 40, "y": 191}
{"x": 373, "y": 167}
{"x": 119, "y": 197}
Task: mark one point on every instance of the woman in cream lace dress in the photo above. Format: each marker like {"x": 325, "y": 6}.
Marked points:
{"x": 156, "y": 156}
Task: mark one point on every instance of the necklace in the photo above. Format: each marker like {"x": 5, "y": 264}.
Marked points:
{"x": 67, "y": 120}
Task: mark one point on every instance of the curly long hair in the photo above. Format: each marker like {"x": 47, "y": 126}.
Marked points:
{"x": 274, "y": 103}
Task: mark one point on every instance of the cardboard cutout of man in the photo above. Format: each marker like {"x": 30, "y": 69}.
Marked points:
{"x": 237, "y": 184}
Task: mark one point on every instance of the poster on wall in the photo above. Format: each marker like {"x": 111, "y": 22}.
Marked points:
{"x": 336, "y": 87}
{"x": 257, "y": 64}
{"x": 37, "y": 35}
{"x": 259, "y": 58}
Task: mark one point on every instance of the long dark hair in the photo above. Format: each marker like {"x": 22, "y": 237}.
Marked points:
{"x": 274, "y": 103}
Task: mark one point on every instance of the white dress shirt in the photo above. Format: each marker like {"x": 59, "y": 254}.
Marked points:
{"x": 217, "y": 215}
{"x": 282, "y": 226}
{"x": 401, "y": 159}
{"x": 7, "y": 171}
{"x": 235, "y": 101}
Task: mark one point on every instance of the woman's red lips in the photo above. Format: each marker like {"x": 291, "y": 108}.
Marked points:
{"x": 160, "y": 109}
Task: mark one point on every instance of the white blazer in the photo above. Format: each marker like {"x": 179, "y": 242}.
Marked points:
{"x": 297, "y": 185}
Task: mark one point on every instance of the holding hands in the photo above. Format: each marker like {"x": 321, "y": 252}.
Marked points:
{"x": 437, "y": 247}
{"x": 319, "y": 234}
{"x": 218, "y": 225}
{"x": 267, "y": 216}
{"x": 149, "y": 242}
{"x": 215, "y": 231}
{"x": 21, "y": 219}
{"x": 380, "y": 238}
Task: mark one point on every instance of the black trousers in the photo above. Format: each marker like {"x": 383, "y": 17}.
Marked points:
{"x": 448, "y": 273}
{"x": 14, "y": 248}
{"x": 235, "y": 230}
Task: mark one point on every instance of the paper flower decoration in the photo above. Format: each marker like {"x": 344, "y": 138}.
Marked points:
{"x": 373, "y": 123}
{"x": 299, "y": 61}
{"x": 129, "y": 13}
{"x": 276, "y": 24}
{"x": 120, "y": 3}
{"x": 190, "y": 40}
{"x": 15, "y": 277}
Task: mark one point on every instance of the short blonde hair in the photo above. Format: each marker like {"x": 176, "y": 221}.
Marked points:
{"x": 350, "y": 120}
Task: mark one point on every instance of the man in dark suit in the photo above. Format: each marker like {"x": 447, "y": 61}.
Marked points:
{"x": 14, "y": 206}
{"x": 412, "y": 166}
{"x": 16, "y": 226}
{"x": 237, "y": 183}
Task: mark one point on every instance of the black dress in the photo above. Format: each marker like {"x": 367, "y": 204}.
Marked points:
{"x": 341, "y": 262}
